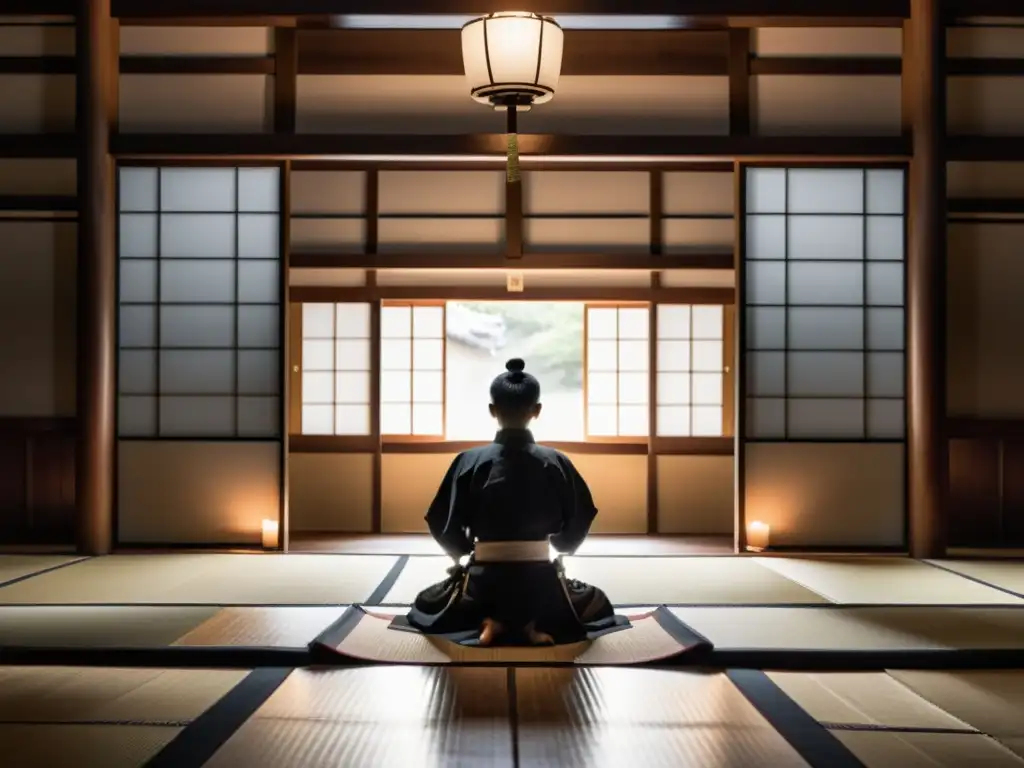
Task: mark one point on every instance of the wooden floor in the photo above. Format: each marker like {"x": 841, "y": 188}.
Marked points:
{"x": 413, "y": 544}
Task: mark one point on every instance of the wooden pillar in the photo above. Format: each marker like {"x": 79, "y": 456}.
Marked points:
{"x": 97, "y": 267}
{"x": 928, "y": 465}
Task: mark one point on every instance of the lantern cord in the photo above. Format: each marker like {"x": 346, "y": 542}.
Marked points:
{"x": 512, "y": 175}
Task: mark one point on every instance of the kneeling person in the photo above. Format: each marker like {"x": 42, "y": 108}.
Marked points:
{"x": 503, "y": 505}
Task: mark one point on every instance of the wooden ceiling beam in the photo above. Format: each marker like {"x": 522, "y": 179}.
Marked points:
{"x": 684, "y": 9}
{"x": 491, "y": 147}
{"x": 543, "y": 261}
{"x": 439, "y": 52}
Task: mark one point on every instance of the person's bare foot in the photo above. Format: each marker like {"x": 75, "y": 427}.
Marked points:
{"x": 538, "y": 638}
{"x": 489, "y": 631}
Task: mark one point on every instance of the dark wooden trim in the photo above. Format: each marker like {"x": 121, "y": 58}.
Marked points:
{"x": 959, "y": 9}
{"x": 439, "y": 52}
{"x": 197, "y": 65}
{"x": 284, "y": 355}
{"x": 985, "y": 148}
{"x": 657, "y": 210}
{"x": 442, "y": 260}
{"x": 277, "y": 146}
{"x": 739, "y": 82}
{"x": 40, "y": 7}
{"x": 713, "y": 8}
{"x": 907, "y": 95}
{"x": 982, "y": 205}
{"x": 529, "y": 164}
{"x": 499, "y": 293}
{"x": 212, "y": 21}
{"x": 457, "y": 446}
{"x": 367, "y": 444}
{"x": 653, "y": 499}
{"x": 285, "y": 82}
{"x": 739, "y": 419}
{"x": 927, "y": 447}
{"x": 31, "y": 425}
{"x": 41, "y": 145}
{"x": 515, "y": 223}
{"x": 37, "y": 65}
{"x": 985, "y": 68}
{"x": 693, "y": 446}
{"x": 971, "y": 427}
{"x": 372, "y": 204}
{"x": 331, "y": 443}
{"x": 38, "y": 203}
{"x": 816, "y": 65}
{"x": 95, "y": 39}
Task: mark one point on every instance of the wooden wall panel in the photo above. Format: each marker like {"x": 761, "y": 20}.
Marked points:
{"x": 28, "y": 40}
{"x": 37, "y": 481}
{"x": 196, "y": 492}
{"x": 195, "y": 104}
{"x": 974, "y": 492}
{"x": 985, "y": 346}
{"x": 833, "y": 42}
{"x": 1013, "y": 492}
{"x": 986, "y": 479}
{"x": 827, "y": 105}
{"x": 37, "y": 103}
{"x": 817, "y": 494}
{"x": 37, "y": 318}
{"x": 195, "y": 41}
{"x": 37, "y": 176}
{"x": 439, "y": 104}
{"x": 986, "y": 106}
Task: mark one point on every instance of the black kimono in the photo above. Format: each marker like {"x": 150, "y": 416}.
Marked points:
{"x": 512, "y": 490}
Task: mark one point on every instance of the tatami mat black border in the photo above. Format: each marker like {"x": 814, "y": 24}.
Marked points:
{"x": 51, "y": 569}
{"x": 878, "y": 728}
{"x": 512, "y": 688}
{"x": 168, "y": 657}
{"x": 803, "y": 660}
{"x": 816, "y": 745}
{"x": 975, "y": 579}
{"x": 336, "y": 633}
{"x": 682, "y": 632}
{"x": 388, "y": 582}
{"x": 195, "y": 745}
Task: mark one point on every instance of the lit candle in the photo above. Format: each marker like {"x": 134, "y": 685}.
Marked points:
{"x": 270, "y": 534}
{"x": 757, "y": 536}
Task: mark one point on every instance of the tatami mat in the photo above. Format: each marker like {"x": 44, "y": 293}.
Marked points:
{"x": 211, "y": 579}
{"x": 857, "y": 629}
{"x": 262, "y": 627}
{"x": 607, "y": 717}
{"x": 1006, "y": 574}
{"x": 370, "y": 639}
{"x": 19, "y": 566}
{"x": 418, "y": 573}
{"x": 990, "y": 700}
{"x": 864, "y": 699}
{"x": 97, "y": 626}
{"x": 637, "y": 580}
{"x": 714, "y": 580}
{"x": 104, "y": 695}
{"x": 83, "y": 746}
{"x": 885, "y": 580}
{"x": 378, "y": 716}
{"x": 880, "y": 749}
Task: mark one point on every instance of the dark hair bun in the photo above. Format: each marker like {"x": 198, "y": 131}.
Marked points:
{"x": 515, "y": 365}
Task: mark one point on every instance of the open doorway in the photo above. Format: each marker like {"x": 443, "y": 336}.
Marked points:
{"x": 638, "y": 395}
